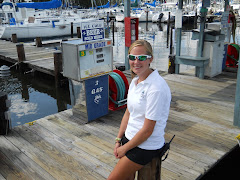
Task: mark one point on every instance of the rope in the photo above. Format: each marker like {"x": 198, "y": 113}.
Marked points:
{"x": 120, "y": 88}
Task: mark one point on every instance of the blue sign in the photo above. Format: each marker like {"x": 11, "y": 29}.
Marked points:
{"x": 93, "y": 34}
{"x": 96, "y": 90}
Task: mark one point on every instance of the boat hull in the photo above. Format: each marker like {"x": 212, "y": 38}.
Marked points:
{"x": 31, "y": 32}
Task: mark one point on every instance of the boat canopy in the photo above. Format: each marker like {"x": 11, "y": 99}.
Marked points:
{"x": 41, "y": 5}
{"x": 6, "y": 4}
{"x": 151, "y": 4}
{"x": 104, "y": 6}
{"x": 115, "y": 5}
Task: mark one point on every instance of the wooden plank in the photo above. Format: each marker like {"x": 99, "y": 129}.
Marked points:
{"x": 68, "y": 148}
{"x": 2, "y": 178}
{"x": 53, "y": 160}
{"x": 90, "y": 129}
{"x": 206, "y": 136}
{"x": 199, "y": 92}
{"x": 103, "y": 154}
{"x": 203, "y": 109}
{"x": 79, "y": 132}
{"x": 26, "y": 168}
{"x": 8, "y": 170}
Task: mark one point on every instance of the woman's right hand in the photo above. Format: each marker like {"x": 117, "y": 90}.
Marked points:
{"x": 117, "y": 145}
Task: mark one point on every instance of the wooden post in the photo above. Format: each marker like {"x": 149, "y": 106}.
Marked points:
{"x": 21, "y": 57}
{"x": 71, "y": 29}
{"x": 147, "y": 15}
{"x": 20, "y": 52}
{"x": 38, "y": 41}
{"x": 147, "y": 19}
{"x": 171, "y": 62}
{"x": 195, "y": 20}
{"x": 14, "y": 38}
{"x": 78, "y": 32}
{"x": 151, "y": 171}
{"x": 4, "y": 122}
{"x": 57, "y": 67}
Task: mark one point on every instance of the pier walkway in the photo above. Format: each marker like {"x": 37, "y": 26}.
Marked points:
{"x": 61, "y": 146}
{"x": 37, "y": 58}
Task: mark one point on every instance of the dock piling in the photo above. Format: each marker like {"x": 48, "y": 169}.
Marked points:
{"x": 71, "y": 29}
{"x": 78, "y": 32}
{"x": 14, "y": 38}
{"x": 4, "y": 119}
{"x": 20, "y": 52}
{"x": 57, "y": 67}
{"x": 38, "y": 42}
{"x": 21, "y": 57}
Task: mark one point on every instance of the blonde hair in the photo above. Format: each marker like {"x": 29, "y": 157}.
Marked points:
{"x": 143, "y": 43}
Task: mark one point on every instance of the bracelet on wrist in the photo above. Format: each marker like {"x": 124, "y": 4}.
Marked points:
{"x": 118, "y": 140}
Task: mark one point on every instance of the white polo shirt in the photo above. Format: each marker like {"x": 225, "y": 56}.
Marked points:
{"x": 148, "y": 99}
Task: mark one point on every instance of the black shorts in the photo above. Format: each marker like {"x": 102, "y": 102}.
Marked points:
{"x": 140, "y": 156}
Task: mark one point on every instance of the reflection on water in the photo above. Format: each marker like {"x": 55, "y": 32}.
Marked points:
{"x": 33, "y": 96}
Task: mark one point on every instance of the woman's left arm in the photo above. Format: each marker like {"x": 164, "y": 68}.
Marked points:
{"x": 143, "y": 134}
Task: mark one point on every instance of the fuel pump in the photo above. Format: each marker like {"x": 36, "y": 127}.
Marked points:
{"x": 87, "y": 63}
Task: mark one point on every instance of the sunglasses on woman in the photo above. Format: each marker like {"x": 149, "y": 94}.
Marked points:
{"x": 140, "y": 57}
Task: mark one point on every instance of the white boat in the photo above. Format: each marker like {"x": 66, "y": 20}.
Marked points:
{"x": 162, "y": 17}
{"x": 42, "y": 27}
{"x": 143, "y": 15}
{"x": 11, "y": 13}
{"x": 163, "y": 12}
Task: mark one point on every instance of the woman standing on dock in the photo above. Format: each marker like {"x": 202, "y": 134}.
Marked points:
{"x": 141, "y": 133}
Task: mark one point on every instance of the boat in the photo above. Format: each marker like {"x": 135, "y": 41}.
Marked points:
{"x": 11, "y": 13}
{"x": 163, "y": 13}
{"x": 52, "y": 22}
{"x": 50, "y": 26}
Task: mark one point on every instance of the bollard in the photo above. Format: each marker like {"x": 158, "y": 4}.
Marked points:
{"x": 4, "y": 119}
{"x": 57, "y": 67}
{"x": 71, "y": 29}
{"x": 14, "y": 38}
{"x": 38, "y": 42}
{"x": 78, "y": 32}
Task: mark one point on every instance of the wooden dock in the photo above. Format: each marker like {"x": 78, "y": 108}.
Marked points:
{"x": 37, "y": 58}
{"x": 61, "y": 146}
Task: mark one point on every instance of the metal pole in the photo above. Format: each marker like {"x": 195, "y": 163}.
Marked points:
{"x": 126, "y": 14}
{"x": 179, "y": 37}
{"x": 236, "y": 121}
{"x": 201, "y": 33}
